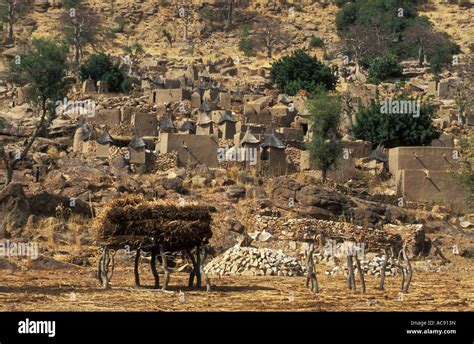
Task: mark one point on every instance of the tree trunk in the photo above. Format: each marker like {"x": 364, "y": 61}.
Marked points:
{"x": 324, "y": 175}
{"x": 421, "y": 54}
{"x": 11, "y": 165}
{"x": 136, "y": 268}
{"x": 9, "y": 30}
{"x": 382, "y": 271}
{"x": 230, "y": 14}
{"x": 10, "y": 20}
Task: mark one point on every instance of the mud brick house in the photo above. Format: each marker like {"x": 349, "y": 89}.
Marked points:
{"x": 145, "y": 124}
{"x": 192, "y": 149}
{"x": 107, "y": 117}
{"x": 88, "y": 86}
{"x": 161, "y": 96}
{"x": 425, "y": 174}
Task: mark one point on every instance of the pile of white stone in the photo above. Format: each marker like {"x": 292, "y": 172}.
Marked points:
{"x": 251, "y": 261}
{"x": 370, "y": 266}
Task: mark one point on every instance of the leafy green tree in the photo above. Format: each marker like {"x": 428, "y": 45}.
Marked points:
{"x": 395, "y": 129}
{"x": 100, "y": 67}
{"x": 44, "y": 70}
{"x": 384, "y": 68}
{"x": 246, "y": 44}
{"x": 325, "y": 146}
{"x": 299, "y": 71}
{"x": 370, "y": 28}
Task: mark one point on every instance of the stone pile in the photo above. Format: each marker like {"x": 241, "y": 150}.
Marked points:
{"x": 166, "y": 161}
{"x": 300, "y": 230}
{"x": 251, "y": 261}
{"x": 369, "y": 268}
{"x": 371, "y": 265}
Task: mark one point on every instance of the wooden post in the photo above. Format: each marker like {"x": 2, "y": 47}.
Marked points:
{"x": 198, "y": 266}
{"x": 105, "y": 267}
{"x": 351, "y": 278}
{"x": 136, "y": 268}
{"x": 192, "y": 274}
{"x": 165, "y": 267}
{"x": 382, "y": 271}
{"x": 361, "y": 273}
{"x": 153, "y": 269}
{"x": 310, "y": 268}
{"x": 201, "y": 269}
{"x": 409, "y": 271}
{"x": 402, "y": 271}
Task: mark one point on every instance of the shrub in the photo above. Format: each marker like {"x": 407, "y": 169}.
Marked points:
{"x": 384, "y": 68}
{"x": 393, "y": 129}
{"x": 246, "y": 46}
{"x": 316, "y": 42}
{"x": 100, "y": 67}
{"x": 299, "y": 71}
{"x": 442, "y": 55}
{"x": 325, "y": 146}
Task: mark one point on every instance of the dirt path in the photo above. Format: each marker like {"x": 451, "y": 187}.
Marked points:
{"x": 77, "y": 290}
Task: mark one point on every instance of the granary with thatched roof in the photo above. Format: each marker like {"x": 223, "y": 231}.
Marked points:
{"x": 137, "y": 150}
{"x": 104, "y": 141}
{"x": 205, "y": 125}
{"x": 273, "y": 156}
{"x": 251, "y": 146}
{"x": 187, "y": 127}
{"x": 167, "y": 124}
{"x": 227, "y": 125}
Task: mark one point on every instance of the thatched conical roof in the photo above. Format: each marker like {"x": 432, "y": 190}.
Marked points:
{"x": 204, "y": 119}
{"x": 249, "y": 138}
{"x": 167, "y": 124}
{"x": 188, "y": 126}
{"x": 272, "y": 141}
{"x": 204, "y": 107}
{"x": 137, "y": 142}
{"x": 226, "y": 117}
{"x": 105, "y": 137}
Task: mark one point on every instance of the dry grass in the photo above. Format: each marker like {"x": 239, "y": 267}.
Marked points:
{"x": 77, "y": 290}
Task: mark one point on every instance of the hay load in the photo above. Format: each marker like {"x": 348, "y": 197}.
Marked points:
{"x": 134, "y": 220}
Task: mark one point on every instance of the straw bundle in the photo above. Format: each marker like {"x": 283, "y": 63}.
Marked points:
{"x": 134, "y": 219}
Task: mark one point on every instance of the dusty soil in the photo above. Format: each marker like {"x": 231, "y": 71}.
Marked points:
{"x": 77, "y": 290}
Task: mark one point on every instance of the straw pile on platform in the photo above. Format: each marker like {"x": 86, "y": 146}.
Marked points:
{"x": 134, "y": 219}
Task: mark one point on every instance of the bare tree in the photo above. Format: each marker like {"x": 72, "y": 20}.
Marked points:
{"x": 81, "y": 27}
{"x": 230, "y": 12}
{"x": 168, "y": 36}
{"x": 134, "y": 53}
{"x": 270, "y": 36}
{"x": 11, "y": 11}
{"x": 365, "y": 42}
{"x": 422, "y": 36}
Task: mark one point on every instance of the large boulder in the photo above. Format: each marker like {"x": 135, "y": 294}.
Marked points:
{"x": 16, "y": 207}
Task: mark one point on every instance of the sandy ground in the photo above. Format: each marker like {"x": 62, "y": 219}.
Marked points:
{"x": 77, "y": 290}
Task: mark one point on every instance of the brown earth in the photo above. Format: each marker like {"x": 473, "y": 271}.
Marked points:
{"x": 78, "y": 290}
